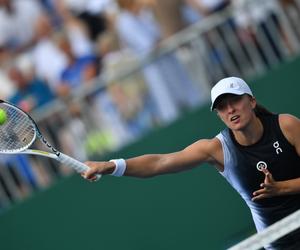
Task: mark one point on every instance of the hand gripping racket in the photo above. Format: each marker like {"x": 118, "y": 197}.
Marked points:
{"x": 19, "y": 132}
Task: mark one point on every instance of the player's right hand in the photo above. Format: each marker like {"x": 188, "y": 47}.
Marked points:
{"x": 97, "y": 167}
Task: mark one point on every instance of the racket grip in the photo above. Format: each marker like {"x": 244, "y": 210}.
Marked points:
{"x": 76, "y": 165}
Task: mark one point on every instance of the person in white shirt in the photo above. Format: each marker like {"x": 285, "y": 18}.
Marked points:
{"x": 17, "y": 21}
{"x": 168, "y": 83}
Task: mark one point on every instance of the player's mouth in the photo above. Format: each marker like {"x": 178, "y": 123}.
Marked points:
{"x": 235, "y": 118}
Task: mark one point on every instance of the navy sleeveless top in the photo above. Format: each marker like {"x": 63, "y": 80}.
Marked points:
{"x": 242, "y": 169}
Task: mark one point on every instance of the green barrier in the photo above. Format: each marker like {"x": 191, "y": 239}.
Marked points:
{"x": 191, "y": 210}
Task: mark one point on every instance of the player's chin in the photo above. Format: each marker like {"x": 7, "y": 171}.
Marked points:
{"x": 237, "y": 126}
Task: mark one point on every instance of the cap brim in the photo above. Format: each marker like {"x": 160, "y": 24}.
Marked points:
{"x": 212, "y": 107}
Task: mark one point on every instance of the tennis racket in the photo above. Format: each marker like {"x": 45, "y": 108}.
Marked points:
{"x": 20, "y": 131}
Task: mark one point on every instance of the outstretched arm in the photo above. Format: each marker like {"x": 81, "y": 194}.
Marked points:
{"x": 157, "y": 164}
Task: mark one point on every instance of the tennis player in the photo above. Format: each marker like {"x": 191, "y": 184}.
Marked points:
{"x": 258, "y": 153}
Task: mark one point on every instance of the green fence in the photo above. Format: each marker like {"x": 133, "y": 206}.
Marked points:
{"x": 191, "y": 210}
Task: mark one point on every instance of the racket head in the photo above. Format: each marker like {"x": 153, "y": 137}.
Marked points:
{"x": 18, "y": 132}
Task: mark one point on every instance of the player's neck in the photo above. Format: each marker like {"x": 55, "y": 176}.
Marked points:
{"x": 251, "y": 133}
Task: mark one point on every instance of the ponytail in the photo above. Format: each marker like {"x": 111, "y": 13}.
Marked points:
{"x": 260, "y": 110}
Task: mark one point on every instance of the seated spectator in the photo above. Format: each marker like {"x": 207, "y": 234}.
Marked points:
{"x": 129, "y": 95}
{"x": 31, "y": 92}
{"x": 7, "y": 86}
{"x": 219, "y": 51}
{"x": 97, "y": 15}
{"x": 79, "y": 70}
{"x": 169, "y": 85}
{"x": 17, "y": 20}
{"x": 259, "y": 25}
{"x": 44, "y": 49}
{"x": 168, "y": 14}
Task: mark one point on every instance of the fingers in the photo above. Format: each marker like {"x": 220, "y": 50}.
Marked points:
{"x": 260, "y": 194}
{"x": 92, "y": 172}
{"x": 267, "y": 190}
{"x": 269, "y": 187}
{"x": 267, "y": 172}
{"x": 266, "y": 186}
{"x": 268, "y": 175}
{"x": 259, "y": 197}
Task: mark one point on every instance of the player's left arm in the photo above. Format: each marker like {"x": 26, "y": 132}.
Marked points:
{"x": 290, "y": 126}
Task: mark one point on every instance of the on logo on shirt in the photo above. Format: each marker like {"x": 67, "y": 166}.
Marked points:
{"x": 277, "y": 147}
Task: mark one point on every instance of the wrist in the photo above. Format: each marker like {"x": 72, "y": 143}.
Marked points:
{"x": 109, "y": 168}
{"x": 120, "y": 167}
{"x": 284, "y": 188}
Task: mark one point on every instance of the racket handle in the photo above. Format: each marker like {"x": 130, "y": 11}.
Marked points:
{"x": 76, "y": 165}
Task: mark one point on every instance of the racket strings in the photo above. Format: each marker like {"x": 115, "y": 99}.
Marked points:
{"x": 18, "y": 132}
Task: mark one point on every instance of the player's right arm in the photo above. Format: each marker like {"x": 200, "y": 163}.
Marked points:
{"x": 149, "y": 165}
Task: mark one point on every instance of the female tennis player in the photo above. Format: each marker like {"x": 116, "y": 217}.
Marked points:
{"x": 258, "y": 153}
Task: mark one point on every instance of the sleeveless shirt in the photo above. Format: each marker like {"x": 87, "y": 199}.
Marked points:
{"x": 242, "y": 169}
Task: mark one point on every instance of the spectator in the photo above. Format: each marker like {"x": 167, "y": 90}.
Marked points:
{"x": 17, "y": 20}
{"x": 292, "y": 10}
{"x": 221, "y": 55}
{"x": 168, "y": 14}
{"x": 259, "y": 24}
{"x": 31, "y": 92}
{"x": 7, "y": 86}
{"x": 129, "y": 95}
{"x": 44, "y": 49}
{"x": 96, "y": 14}
{"x": 168, "y": 84}
{"x": 78, "y": 71}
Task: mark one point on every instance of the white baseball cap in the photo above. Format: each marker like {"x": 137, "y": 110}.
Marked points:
{"x": 229, "y": 85}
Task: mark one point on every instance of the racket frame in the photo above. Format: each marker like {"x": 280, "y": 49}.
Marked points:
{"x": 54, "y": 154}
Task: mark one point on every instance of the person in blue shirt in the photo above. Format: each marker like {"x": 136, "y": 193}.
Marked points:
{"x": 80, "y": 70}
{"x": 31, "y": 92}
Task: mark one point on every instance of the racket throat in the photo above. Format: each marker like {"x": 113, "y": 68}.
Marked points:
{"x": 49, "y": 146}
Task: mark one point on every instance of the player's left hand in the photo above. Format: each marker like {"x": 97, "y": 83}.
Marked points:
{"x": 269, "y": 187}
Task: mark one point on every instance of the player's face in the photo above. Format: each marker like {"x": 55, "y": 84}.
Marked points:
{"x": 236, "y": 111}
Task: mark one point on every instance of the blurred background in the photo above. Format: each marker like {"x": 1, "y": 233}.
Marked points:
{"x": 119, "y": 78}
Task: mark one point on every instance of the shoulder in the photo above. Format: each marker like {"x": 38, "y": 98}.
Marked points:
{"x": 290, "y": 126}
{"x": 287, "y": 121}
{"x": 213, "y": 149}
{"x": 208, "y": 145}
{"x": 208, "y": 149}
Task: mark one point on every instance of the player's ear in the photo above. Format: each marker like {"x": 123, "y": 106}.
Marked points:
{"x": 253, "y": 102}
{"x": 218, "y": 114}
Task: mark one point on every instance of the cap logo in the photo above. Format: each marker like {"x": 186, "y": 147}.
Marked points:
{"x": 234, "y": 85}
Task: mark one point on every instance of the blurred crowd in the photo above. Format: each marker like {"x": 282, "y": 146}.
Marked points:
{"x": 50, "y": 48}
{"x": 54, "y": 46}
